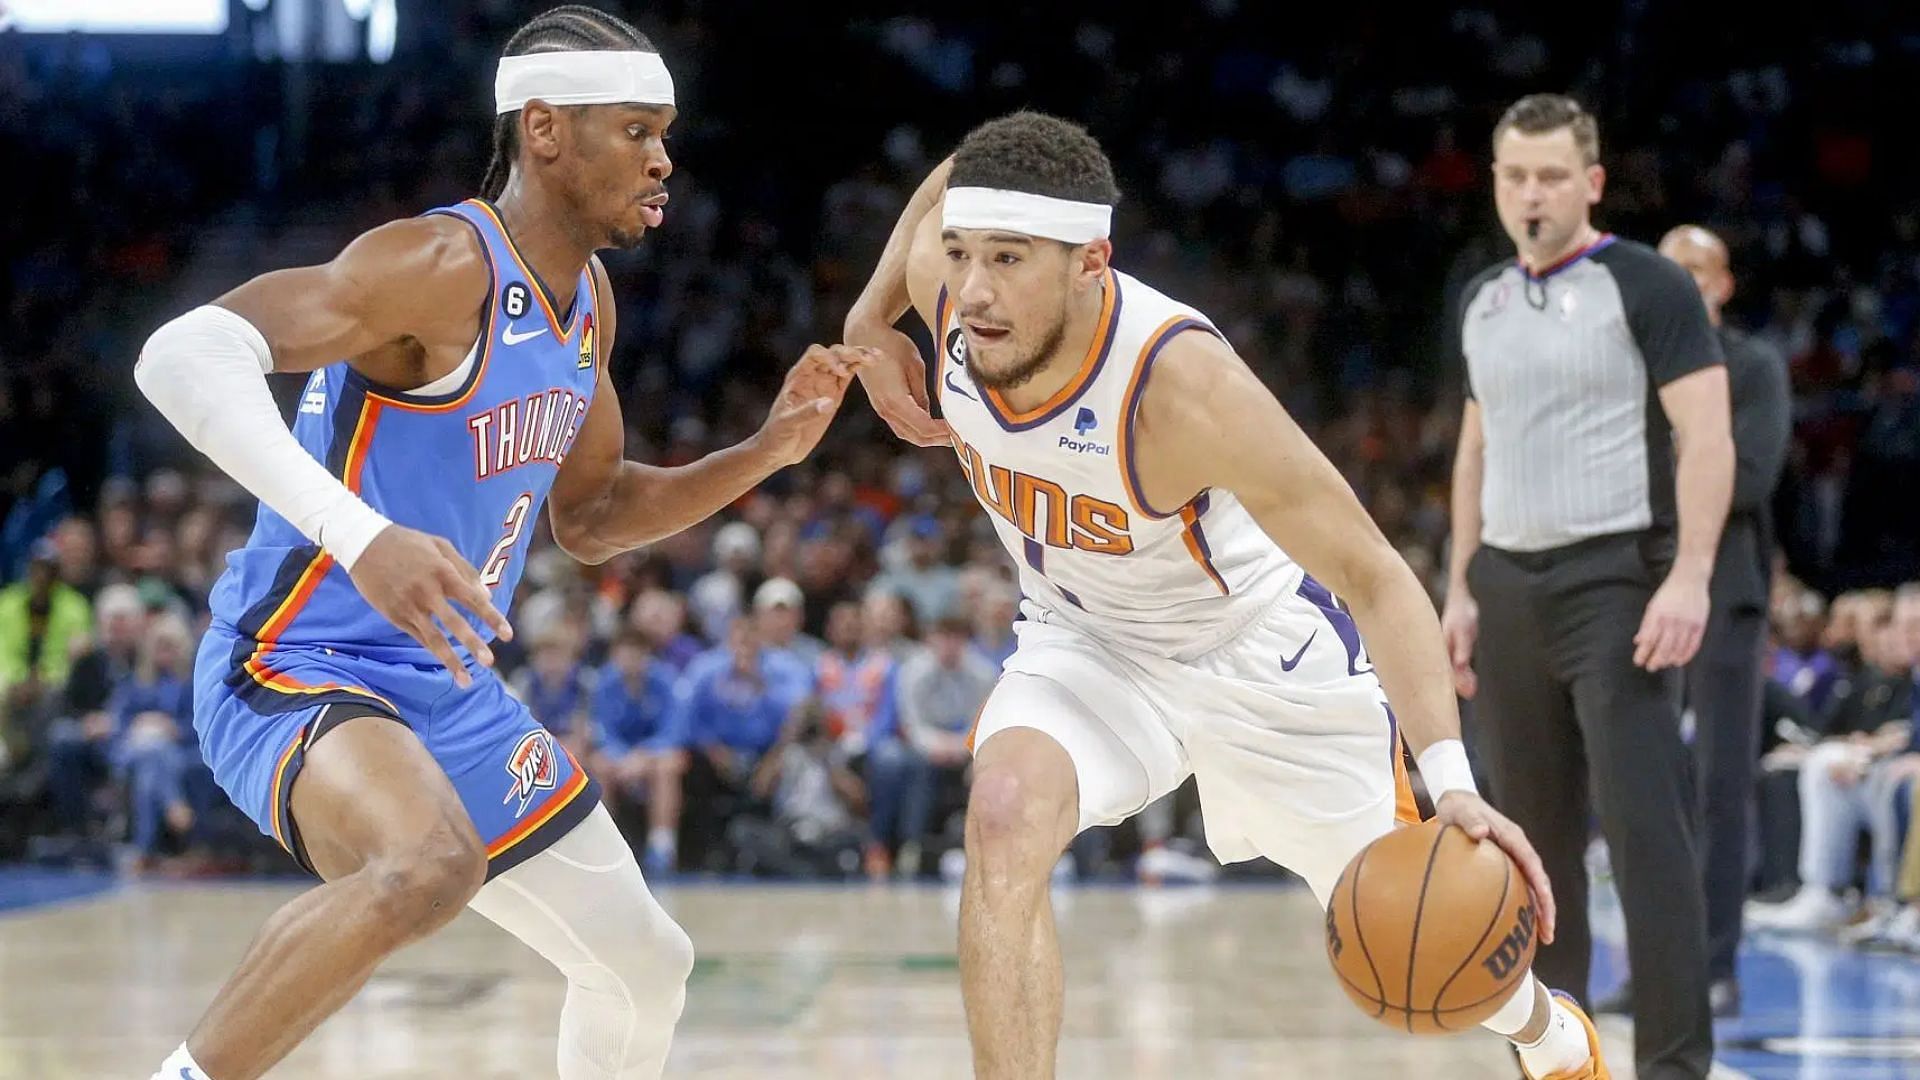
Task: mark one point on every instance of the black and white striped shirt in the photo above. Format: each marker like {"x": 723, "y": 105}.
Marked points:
{"x": 1566, "y": 365}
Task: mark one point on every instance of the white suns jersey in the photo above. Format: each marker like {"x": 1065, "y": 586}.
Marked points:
{"x": 1060, "y": 486}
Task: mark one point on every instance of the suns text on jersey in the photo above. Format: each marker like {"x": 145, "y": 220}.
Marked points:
{"x": 540, "y": 427}
{"x": 1078, "y": 522}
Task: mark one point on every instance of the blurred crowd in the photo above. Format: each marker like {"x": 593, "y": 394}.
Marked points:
{"x": 1840, "y": 769}
{"x": 787, "y": 688}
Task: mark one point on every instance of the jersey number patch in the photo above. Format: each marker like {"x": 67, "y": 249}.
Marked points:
{"x": 513, "y": 300}
{"x": 502, "y": 553}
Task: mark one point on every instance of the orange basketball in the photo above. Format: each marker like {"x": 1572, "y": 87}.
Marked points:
{"x": 1428, "y": 931}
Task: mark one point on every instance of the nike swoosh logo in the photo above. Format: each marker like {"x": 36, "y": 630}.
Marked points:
{"x": 955, "y": 387}
{"x": 1290, "y": 664}
{"x": 508, "y": 337}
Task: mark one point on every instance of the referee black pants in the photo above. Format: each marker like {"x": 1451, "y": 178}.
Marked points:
{"x": 1568, "y": 727}
{"x": 1724, "y": 685}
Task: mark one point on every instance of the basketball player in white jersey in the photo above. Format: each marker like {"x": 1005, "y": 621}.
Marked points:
{"x": 1180, "y": 545}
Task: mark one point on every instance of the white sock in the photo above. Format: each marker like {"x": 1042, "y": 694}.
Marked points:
{"x": 660, "y": 838}
{"x": 180, "y": 1066}
{"x": 1562, "y": 1047}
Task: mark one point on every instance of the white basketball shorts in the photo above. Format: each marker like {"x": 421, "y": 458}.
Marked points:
{"x": 1284, "y": 726}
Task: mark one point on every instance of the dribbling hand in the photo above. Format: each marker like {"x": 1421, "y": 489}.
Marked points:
{"x": 1471, "y": 814}
{"x": 414, "y": 580}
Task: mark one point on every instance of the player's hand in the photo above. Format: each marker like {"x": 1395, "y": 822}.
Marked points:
{"x": 1471, "y": 814}
{"x": 415, "y": 580}
{"x": 813, "y": 389}
{"x": 1676, "y": 619}
{"x": 896, "y": 384}
{"x": 1460, "y": 626}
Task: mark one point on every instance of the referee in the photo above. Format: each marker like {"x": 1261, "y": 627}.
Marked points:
{"x": 1726, "y": 679}
{"x": 1593, "y": 476}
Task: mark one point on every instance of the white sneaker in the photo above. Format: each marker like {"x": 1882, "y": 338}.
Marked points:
{"x": 953, "y": 866}
{"x": 1904, "y": 934}
{"x": 1169, "y": 864}
{"x": 1871, "y": 932}
{"x": 1812, "y": 910}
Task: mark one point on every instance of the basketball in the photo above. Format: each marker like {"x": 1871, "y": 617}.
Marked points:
{"x": 1429, "y": 931}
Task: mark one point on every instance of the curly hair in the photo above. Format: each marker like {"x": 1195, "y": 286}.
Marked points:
{"x": 568, "y": 28}
{"x": 1038, "y": 154}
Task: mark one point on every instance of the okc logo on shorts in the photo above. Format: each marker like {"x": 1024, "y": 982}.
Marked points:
{"x": 533, "y": 768}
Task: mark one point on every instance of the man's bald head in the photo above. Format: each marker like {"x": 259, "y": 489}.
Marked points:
{"x": 1704, "y": 255}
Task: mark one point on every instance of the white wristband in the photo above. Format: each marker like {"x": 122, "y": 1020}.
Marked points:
{"x": 1444, "y": 768}
{"x": 348, "y": 529}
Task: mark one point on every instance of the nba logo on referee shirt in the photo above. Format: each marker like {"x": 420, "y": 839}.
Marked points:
{"x": 533, "y": 768}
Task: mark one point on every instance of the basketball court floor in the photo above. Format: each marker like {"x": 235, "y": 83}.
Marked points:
{"x": 101, "y": 981}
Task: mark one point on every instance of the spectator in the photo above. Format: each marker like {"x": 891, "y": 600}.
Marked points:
{"x": 77, "y": 548}
{"x": 993, "y": 637}
{"x": 43, "y": 623}
{"x": 1848, "y": 784}
{"x": 661, "y": 618}
{"x": 1799, "y": 663}
{"x": 720, "y": 594}
{"x": 169, "y": 788}
{"x": 930, "y": 586}
{"x": 940, "y": 691}
{"x": 637, "y": 754}
{"x": 122, "y": 621}
{"x": 145, "y": 738}
{"x": 731, "y": 705}
{"x": 556, "y": 689}
{"x": 814, "y": 797}
{"x": 888, "y": 622}
{"x": 779, "y": 606}
{"x": 854, "y": 678}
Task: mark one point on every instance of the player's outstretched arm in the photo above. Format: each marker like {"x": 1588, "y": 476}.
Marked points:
{"x": 603, "y": 504}
{"x": 1205, "y": 421}
{"x": 206, "y": 373}
{"x": 896, "y": 382}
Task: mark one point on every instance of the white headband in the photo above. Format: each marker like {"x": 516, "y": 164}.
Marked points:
{"x": 1023, "y": 212}
{"x": 582, "y": 78}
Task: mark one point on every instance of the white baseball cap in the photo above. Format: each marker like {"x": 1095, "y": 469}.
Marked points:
{"x": 778, "y": 592}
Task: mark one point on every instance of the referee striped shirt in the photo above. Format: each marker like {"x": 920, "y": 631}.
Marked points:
{"x": 1566, "y": 365}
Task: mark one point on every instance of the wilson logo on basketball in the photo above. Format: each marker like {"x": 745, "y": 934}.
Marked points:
{"x": 1510, "y": 949}
{"x": 533, "y": 768}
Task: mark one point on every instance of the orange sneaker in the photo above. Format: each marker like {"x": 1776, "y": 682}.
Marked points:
{"x": 1596, "y": 1066}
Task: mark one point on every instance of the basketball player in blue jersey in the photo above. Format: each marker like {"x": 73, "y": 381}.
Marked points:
{"x": 1180, "y": 543}
{"x": 344, "y": 698}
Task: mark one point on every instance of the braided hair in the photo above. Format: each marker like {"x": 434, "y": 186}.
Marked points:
{"x": 568, "y": 28}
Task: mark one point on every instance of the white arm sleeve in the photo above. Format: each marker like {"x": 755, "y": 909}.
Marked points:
{"x": 206, "y": 373}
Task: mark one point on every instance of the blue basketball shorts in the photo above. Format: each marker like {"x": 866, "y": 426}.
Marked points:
{"x": 259, "y": 710}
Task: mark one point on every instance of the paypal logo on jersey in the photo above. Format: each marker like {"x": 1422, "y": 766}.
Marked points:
{"x": 1084, "y": 422}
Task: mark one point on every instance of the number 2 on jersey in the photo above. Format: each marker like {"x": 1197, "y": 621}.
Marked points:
{"x": 496, "y": 564}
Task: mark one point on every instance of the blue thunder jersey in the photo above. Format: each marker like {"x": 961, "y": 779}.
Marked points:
{"x": 470, "y": 459}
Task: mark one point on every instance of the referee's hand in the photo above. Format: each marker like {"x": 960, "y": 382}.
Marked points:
{"x": 1460, "y": 626}
{"x": 1675, "y": 621}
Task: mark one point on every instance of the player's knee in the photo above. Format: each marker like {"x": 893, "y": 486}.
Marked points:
{"x": 667, "y": 956}
{"x": 641, "y": 967}
{"x": 422, "y": 890}
{"x": 1015, "y": 818}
